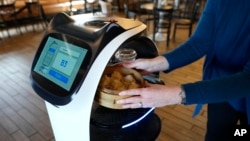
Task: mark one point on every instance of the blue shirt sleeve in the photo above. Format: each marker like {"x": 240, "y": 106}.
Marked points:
{"x": 220, "y": 89}
{"x": 223, "y": 87}
{"x": 198, "y": 44}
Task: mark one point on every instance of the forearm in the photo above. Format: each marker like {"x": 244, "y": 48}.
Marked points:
{"x": 196, "y": 46}
{"x": 219, "y": 89}
{"x": 187, "y": 53}
{"x": 159, "y": 63}
{"x": 151, "y": 65}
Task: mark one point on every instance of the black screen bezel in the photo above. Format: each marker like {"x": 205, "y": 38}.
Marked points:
{"x": 50, "y": 87}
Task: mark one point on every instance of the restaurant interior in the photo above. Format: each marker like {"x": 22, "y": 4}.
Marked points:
{"x": 23, "y": 23}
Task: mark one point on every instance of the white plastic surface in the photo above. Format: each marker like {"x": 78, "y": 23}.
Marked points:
{"x": 72, "y": 121}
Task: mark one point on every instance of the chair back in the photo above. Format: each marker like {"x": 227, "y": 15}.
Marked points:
{"x": 189, "y": 17}
{"x": 91, "y": 6}
{"x": 6, "y": 12}
{"x": 35, "y": 10}
{"x": 195, "y": 11}
{"x": 8, "y": 18}
{"x": 106, "y": 8}
{"x": 128, "y": 13}
{"x": 141, "y": 2}
{"x": 190, "y": 10}
{"x": 163, "y": 14}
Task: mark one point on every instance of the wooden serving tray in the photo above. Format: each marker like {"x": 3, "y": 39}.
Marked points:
{"x": 108, "y": 97}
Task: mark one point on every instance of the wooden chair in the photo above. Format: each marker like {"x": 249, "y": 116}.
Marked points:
{"x": 145, "y": 15}
{"x": 129, "y": 13}
{"x": 8, "y": 18}
{"x": 91, "y": 6}
{"x": 187, "y": 17}
{"x": 32, "y": 13}
{"x": 106, "y": 8}
{"x": 36, "y": 14}
{"x": 162, "y": 21}
{"x": 115, "y": 5}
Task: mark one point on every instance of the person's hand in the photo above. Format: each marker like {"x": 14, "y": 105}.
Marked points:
{"x": 146, "y": 66}
{"x": 154, "y": 95}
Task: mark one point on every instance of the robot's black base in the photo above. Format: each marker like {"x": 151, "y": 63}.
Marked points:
{"x": 146, "y": 130}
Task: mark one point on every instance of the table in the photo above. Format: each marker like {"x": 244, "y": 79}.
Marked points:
{"x": 159, "y": 36}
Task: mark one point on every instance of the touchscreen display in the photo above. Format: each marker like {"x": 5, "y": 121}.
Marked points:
{"x": 60, "y": 61}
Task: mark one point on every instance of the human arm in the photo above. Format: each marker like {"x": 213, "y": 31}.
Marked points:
{"x": 229, "y": 87}
{"x": 231, "y": 78}
{"x": 194, "y": 48}
{"x": 153, "y": 95}
{"x": 198, "y": 45}
{"x": 226, "y": 88}
{"x": 146, "y": 66}
{"x": 234, "y": 86}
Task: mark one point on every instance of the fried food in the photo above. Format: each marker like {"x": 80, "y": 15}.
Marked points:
{"x": 105, "y": 81}
{"x": 118, "y": 80}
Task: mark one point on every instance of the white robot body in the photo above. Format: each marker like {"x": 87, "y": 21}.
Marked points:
{"x": 76, "y": 114}
{"x": 69, "y": 91}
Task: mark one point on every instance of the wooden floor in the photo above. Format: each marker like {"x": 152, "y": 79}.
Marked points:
{"x": 23, "y": 115}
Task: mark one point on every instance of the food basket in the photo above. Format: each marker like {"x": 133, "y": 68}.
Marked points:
{"x": 114, "y": 80}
